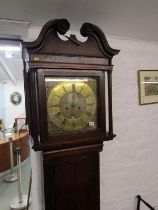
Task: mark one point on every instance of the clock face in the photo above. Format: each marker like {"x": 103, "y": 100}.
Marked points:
{"x": 71, "y": 104}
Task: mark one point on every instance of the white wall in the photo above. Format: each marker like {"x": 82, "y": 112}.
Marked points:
{"x": 11, "y": 110}
{"x": 129, "y": 163}
{"x": 2, "y": 112}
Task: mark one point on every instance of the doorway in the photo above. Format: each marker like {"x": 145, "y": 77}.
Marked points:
{"x": 12, "y": 122}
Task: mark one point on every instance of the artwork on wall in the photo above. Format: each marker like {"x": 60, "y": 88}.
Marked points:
{"x": 15, "y": 98}
{"x": 148, "y": 86}
{"x": 20, "y": 123}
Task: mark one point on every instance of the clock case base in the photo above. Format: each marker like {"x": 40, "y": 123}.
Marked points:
{"x": 72, "y": 179}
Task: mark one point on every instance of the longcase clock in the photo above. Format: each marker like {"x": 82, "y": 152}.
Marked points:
{"x": 68, "y": 88}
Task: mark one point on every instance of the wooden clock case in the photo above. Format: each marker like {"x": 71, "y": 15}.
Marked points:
{"x": 70, "y": 160}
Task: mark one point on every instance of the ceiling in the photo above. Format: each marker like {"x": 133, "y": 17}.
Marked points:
{"x": 11, "y": 65}
{"x": 134, "y": 19}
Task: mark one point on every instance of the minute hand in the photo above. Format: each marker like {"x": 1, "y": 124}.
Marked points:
{"x": 74, "y": 95}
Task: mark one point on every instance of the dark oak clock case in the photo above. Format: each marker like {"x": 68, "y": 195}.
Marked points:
{"x": 70, "y": 158}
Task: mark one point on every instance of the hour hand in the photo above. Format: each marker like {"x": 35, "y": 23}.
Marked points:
{"x": 73, "y": 88}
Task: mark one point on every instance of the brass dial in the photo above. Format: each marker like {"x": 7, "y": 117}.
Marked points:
{"x": 72, "y": 106}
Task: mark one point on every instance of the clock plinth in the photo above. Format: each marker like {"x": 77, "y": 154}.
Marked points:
{"x": 66, "y": 103}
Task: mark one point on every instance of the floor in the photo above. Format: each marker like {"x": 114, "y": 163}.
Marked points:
{"x": 9, "y": 191}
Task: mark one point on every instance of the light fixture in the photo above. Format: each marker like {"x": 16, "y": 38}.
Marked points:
{"x": 11, "y": 51}
{"x": 10, "y": 48}
{"x": 9, "y": 54}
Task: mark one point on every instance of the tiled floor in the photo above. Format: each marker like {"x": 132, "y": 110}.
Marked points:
{"x": 9, "y": 191}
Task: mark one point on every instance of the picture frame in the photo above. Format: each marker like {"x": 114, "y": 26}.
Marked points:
{"x": 148, "y": 86}
{"x": 15, "y": 98}
{"x": 20, "y": 123}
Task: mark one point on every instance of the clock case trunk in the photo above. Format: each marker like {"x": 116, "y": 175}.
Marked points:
{"x": 70, "y": 161}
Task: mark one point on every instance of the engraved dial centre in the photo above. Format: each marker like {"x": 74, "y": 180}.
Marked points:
{"x": 72, "y": 104}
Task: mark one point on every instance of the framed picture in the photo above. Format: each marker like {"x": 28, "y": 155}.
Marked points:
{"x": 15, "y": 98}
{"x": 148, "y": 86}
{"x": 20, "y": 123}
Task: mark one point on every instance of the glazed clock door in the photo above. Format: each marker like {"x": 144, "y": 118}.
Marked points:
{"x": 71, "y": 104}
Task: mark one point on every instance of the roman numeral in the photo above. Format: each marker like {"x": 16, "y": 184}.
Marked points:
{"x": 57, "y": 96}
{"x": 64, "y": 89}
{"x": 88, "y": 113}
{"x": 64, "y": 121}
{"x": 82, "y": 121}
{"x": 54, "y": 105}
{"x": 74, "y": 125}
{"x": 90, "y": 104}
{"x": 88, "y": 95}
{"x": 57, "y": 114}
{"x": 82, "y": 88}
